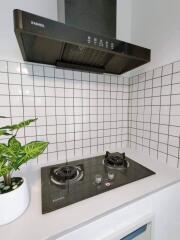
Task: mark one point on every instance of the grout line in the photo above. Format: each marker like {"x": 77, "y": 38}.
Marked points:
{"x": 159, "y": 114}
{"x": 116, "y": 111}
{"x": 44, "y": 86}
{"x": 9, "y": 95}
{"x": 128, "y": 134}
{"x": 137, "y": 113}
{"x": 122, "y": 113}
{"x": 23, "y": 101}
{"x": 57, "y": 155}
{"x": 110, "y": 111}
{"x": 90, "y": 113}
{"x": 103, "y": 112}
{"x": 35, "y": 109}
{"x": 131, "y": 113}
{"x": 169, "y": 120}
{"x": 97, "y": 112}
{"x": 73, "y": 113}
{"x": 151, "y": 114}
{"x": 66, "y": 158}
{"x": 143, "y": 111}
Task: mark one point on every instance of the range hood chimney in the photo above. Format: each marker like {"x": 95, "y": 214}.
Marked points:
{"x": 96, "y": 16}
{"x": 83, "y": 39}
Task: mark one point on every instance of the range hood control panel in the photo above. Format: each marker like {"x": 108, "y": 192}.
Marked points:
{"x": 99, "y": 42}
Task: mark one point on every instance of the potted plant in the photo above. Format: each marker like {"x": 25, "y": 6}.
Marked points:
{"x": 14, "y": 194}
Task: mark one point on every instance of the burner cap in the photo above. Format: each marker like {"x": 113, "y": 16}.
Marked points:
{"x": 115, "y": 160}
{"x": 60, "y": 175}
{"x": 64, "y": 173}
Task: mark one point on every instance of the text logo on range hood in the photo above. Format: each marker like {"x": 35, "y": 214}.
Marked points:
{"x": 38, "y": 24}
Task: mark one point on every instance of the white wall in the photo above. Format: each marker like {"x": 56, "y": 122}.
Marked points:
{"x": 124, "y": 20}
{"x": 156, "y": 25}
{"x": 9, "y": 49}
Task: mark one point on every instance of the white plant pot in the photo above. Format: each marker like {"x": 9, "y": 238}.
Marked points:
{"x": 14, "y": 203}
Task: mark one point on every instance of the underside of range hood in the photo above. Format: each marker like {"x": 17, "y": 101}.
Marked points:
{"x": 49, "y": 42}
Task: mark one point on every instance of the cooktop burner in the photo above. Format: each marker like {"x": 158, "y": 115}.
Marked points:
{"x": 116, "y": 161}
{"x": 65, "y": 184}
{"x": 66, "y": 174}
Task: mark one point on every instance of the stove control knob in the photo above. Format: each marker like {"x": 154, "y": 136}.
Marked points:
{"x": 110, "y": 176}
{"x": 98, "y": 179}
{"x": 107, "y": 184}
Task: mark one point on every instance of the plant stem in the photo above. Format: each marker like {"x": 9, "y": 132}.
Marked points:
{"x": 7, "y": 179}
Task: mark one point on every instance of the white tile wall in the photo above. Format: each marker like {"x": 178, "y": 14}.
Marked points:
{"x": 82, "y": 113}
{"x": 78, "y": 113}
{"x": 154, "y": 113}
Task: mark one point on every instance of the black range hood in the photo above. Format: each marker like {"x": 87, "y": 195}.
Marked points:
{"x": 42, "y": 40}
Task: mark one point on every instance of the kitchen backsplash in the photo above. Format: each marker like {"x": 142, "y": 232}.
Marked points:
{"x": 154, "y": 113}
{"x": 78, "y": 113}
{"x": 82, "y": 114}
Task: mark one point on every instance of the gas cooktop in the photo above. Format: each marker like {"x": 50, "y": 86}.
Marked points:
{"x": 67, "y": 183}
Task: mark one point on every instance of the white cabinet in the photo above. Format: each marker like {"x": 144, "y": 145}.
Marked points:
{"x": 160, "y": 209}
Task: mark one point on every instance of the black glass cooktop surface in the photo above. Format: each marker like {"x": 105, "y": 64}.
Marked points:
{"x": 67, "y": 183}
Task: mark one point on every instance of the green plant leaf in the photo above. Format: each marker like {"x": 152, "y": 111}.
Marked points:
{"x": 3, "y": 148}
{"x": 19, "y": 125}
{"x": 4, "y": 133}
{"x": 11, "y": 154}
{"x": 14, "y": 155}
{"x": 4, "y": 169}
{"x": 30, "y": 151}
{"x": 34, "y": 149}
{"x": 14, "y": 144}
{"x": 14, "y": 152}
{"x": 7, "y": 152}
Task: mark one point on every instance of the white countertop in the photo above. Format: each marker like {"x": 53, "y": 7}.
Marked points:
{"x": 35, "y": 226}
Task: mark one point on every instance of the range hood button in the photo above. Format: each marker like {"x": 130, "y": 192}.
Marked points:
{"x": 107, "y": 44}
{"x": 101, "y": 44}
{"x": 112, "y": 45}
{"x": 89, "y": 39}
{"x": 95, "y": 41}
